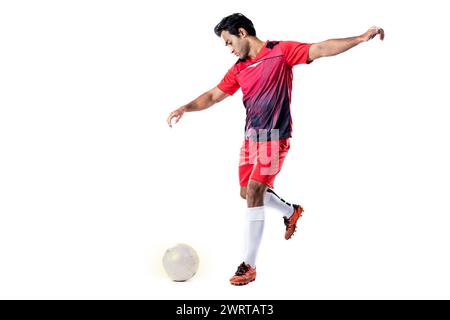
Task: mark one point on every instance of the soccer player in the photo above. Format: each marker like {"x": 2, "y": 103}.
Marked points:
{"x": 263, "y": 71}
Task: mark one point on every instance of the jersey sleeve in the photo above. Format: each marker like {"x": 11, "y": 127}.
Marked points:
{"x": 229, "y": 83}
{"x": 296, "y": 52}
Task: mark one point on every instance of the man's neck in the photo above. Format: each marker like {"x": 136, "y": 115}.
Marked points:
{"x": 256, "y": 46}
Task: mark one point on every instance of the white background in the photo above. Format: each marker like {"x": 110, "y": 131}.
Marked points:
{"x": 94, "y": 185}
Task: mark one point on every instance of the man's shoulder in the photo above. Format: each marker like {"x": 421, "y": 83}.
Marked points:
{"x": 272, "y": 45}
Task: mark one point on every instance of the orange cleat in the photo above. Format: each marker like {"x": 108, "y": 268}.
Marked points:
{"x": 244, "y": 275}
{"x": 291, "y": 223}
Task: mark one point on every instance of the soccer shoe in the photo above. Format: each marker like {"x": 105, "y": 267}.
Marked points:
{"x": 244, "y": 275}
{"x": 291, "y": 223}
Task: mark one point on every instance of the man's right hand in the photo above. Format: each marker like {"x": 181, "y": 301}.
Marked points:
{"x": 203, "y": 102}
{"x": 177, "y": 114}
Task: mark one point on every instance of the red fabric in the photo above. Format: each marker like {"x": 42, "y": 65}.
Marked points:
{"x": 229, "y": 83}
{"x": 295, "y": 52}
{"x": 266, "y": 83}
{"x": 262, "y": 161}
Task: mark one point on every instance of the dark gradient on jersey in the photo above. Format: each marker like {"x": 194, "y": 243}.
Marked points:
{"x": 267, "y": 99}
{"x": 266, "y": 84}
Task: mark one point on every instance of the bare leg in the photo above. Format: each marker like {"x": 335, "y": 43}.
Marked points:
{"x": 255, "y": 194}
{"x": 244, "y": 192}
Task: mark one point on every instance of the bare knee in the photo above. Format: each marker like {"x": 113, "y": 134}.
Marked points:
{"x": 255, "y": 194}
{"x": 244, "y": 192}
{"x": 252, "y": 193}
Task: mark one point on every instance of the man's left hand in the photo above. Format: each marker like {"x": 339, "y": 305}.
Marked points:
{"x": 372, "y": 32}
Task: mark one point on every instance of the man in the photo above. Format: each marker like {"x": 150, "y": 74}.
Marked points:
{"x": 264, "y": 73}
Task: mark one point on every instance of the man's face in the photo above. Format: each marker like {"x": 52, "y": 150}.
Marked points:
{"x": 239, "y": 46}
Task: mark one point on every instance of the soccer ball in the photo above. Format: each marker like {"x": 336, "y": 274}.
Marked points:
{"x": 180, "y": 262}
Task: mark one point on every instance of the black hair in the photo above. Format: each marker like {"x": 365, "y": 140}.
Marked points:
{"x": 233, "y": 22}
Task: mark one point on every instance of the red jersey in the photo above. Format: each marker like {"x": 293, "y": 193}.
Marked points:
{"x": 266, "y": 84}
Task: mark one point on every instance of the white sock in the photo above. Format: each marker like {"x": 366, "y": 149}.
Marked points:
{"x": 272, "y": 200}
{"x": 254, "y": 232}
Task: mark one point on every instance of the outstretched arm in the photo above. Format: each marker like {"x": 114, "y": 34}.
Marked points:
{"x": 333, "y": 47}
{"x": 203, "y": 102}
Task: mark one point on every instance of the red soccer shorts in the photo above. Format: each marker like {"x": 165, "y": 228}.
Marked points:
{"x": 261, "y": 161}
